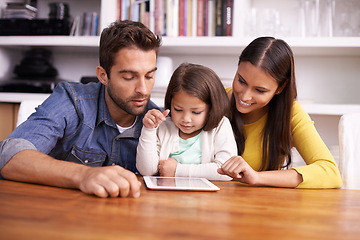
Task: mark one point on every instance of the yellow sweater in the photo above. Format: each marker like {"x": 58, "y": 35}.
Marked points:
{"x": 321, "y": 170}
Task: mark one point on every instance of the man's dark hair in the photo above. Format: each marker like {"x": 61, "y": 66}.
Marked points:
{"x": 125, "y": 34}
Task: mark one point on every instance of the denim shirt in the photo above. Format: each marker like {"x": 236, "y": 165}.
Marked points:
{"x": 74, "y": 124}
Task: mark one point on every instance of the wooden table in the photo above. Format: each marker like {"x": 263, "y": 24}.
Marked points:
{"x": 29, "y": 211}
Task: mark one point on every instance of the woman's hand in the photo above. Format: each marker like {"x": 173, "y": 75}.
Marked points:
{"x": 237, "y": 168}
{"x": 154, "y": 117}
{"x": 167, "y": 168}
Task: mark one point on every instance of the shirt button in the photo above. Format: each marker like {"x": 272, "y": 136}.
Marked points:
{"x": 86, "y": 161}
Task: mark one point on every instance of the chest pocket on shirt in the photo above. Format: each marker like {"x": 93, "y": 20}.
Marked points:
{"x": 87, "y": 158}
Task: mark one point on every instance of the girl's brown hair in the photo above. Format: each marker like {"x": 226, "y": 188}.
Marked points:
{"x": 276, "y": 58}
{"x": 203, "y": 83}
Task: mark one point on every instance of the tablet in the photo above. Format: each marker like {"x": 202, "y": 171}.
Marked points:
{"x": 179, "y": 183}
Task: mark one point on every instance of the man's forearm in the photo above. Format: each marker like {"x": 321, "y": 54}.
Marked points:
{"x": 36, "y": 167}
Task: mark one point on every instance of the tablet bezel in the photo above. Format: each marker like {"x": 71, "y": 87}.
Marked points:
{"x": 150, "y": 184}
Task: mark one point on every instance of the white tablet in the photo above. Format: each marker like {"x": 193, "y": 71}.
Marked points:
{"x": 179, "y": 183}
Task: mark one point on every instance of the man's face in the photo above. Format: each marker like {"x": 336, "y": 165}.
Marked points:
{"x": 131, "y": 79}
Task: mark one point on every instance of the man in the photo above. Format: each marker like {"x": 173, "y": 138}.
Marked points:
{"x": 96, "y": 124}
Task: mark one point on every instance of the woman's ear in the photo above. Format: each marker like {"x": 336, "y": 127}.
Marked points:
{"x": 101, "y": 75}
{"x": 280, "y": 89}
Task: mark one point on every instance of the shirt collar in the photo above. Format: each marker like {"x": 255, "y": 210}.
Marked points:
{"x": 103, "y": 114}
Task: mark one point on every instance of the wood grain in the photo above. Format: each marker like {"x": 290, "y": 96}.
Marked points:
{"x": 29, "y": 211}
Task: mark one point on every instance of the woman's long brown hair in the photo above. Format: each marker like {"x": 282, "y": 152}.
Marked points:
{"x": 276, "y": 58}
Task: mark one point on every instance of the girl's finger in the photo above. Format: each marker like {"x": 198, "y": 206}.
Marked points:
{"x": 166, "y": 112}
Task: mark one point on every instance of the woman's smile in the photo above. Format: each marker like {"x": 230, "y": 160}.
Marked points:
{"x": 244, "y": 104}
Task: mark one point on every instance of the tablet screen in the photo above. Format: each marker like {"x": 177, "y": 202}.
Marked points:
{"x": 179, "y": 183}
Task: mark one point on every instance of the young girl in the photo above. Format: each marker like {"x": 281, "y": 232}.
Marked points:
{"x": 198, "y": 138}
{"x": 268, "y": 122}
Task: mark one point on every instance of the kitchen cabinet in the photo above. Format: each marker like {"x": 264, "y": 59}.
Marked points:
{"x": 8, "y": 117}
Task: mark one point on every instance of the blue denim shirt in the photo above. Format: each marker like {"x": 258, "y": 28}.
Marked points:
{"x": 74, "y": 124}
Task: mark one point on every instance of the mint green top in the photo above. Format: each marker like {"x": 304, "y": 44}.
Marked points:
{"x": 190, "y": 150}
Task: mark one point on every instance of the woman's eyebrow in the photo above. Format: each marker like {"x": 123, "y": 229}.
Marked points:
{"x": 241, "y": 77}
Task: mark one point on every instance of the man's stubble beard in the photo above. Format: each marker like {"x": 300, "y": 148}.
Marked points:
{"x": 125, "y": 104}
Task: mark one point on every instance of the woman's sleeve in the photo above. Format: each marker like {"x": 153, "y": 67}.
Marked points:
{"x": 147, "y": 156}
{"x": 321, "y": 170}
{"x": 224, "y": 146}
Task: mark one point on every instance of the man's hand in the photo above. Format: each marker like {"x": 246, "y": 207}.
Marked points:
{"x": 167, "y": 168}
{"x": 154, "y": 117}
{"x": 111, "y": 181}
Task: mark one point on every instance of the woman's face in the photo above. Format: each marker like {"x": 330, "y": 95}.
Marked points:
{"x": 253, "y": 89}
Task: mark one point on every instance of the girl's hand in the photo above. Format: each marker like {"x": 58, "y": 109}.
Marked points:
{"x": 237, "y": 168}
{"x": 167, "y": 168}
{"x": 154, "y": 117}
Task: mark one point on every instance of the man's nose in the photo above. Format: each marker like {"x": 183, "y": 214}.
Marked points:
{"x": 141, "y": 86}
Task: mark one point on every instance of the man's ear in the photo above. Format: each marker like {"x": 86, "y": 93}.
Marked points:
{"x": 101, "y": 75}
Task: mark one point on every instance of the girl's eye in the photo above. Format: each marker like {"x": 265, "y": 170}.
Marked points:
{"x": 260, "y": 91}
{"x": 177, "y": 110}
{"x": 197, "y": 113}
{"x": 149, "y": 77}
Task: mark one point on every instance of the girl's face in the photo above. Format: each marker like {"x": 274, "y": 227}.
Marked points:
{"x": 189, "y": 114}
{"x": 253, "y": 89}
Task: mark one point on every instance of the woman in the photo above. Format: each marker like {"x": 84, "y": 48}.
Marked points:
{"x": 268, "y": 122}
